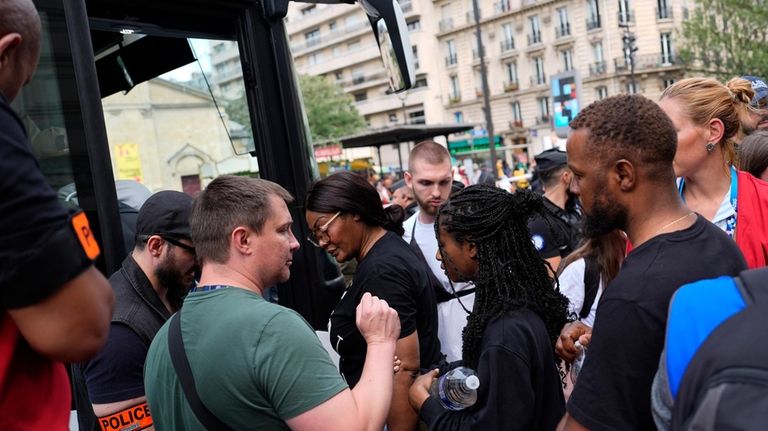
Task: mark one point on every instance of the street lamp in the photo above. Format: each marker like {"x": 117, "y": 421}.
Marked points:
{"x": 630, "y": 48}
{"x": 484, "y": 78}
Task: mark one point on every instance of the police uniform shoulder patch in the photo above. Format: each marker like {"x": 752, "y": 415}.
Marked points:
{"x": 538, "y": 242}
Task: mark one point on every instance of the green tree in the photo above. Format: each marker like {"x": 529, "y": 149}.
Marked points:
{"x": 727, "y": 38}
{"x": 330, "y": 111}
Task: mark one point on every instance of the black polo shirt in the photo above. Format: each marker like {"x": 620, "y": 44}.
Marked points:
{"x": 557, "y": 232}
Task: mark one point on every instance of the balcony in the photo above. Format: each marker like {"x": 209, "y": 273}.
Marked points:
{"x": 538, "y": 80}
{"x": 534, "y": 38}
{"x": 598, "y": 68}
{"x": 471, "y": 16}
{"x": 593, "y": 23}
{"x": 445, "y": 24}
{"x": 542, "y": 119}
{"x": 507, "y": 45}
{"x": 476, "y": 54}
{"x": 502, "y": 6}
{"x": 664, "y": 14}
{"x": 563, "y": 30}
{"x": 451, "y": 59}
{"x": 644, "y": 62}
{"x": 330, "y": 36}
{"x": 511, "y": 86}
{"x": 626, "y": 17}
{"x": 478, "y": 92}
{"x": 454, "y": 99}
{"x": 516, "y": 124}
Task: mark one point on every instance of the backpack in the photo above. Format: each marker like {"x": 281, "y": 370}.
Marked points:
{"x": 724, "y": 386}
{"x": 591, "y": 284}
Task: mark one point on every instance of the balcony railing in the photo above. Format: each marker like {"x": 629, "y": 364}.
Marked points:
{"x": 511, "y": 86}
{"x": 471, "y": 16}
{"x": 445, "y": 24}
{"x": 333, "y": 34}
{"x": 502, "y": 6}
{"x": 479, "y": 92}
{"x": 451, "y": 59}
{"x": 534, "y": 38}
{"x": 664, "y": 13}
{"x": 507, "y": 45}
{"x": 598, "y": 68}
{"x": 626, "y": 17}
{"x": 516, "y": 124}
{"x": 650, "y": 61}
{"x": 454, "y": 99}
{"x": 563, "y": 30}
{"x": 593, "y": 23}
{"x": 542, "y": 119}
{"x": 538, "y": 80}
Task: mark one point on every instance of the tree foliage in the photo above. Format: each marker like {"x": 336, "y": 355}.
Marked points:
{"x": 330, "y": 111}
{"x": 727, "y": 38}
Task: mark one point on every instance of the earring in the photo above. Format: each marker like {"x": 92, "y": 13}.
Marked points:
{"x": 710, "y": 147}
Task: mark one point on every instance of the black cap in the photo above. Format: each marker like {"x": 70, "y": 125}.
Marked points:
{"x": 550, "y": 159}
{"x": 165, "y": 213}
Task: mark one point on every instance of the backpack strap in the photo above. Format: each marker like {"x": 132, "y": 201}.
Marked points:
{"x": 753, "y": 285}
{"x": 183, "y": 370}
{"x": 591, "y": 284}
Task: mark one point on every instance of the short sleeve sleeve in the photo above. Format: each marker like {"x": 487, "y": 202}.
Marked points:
{"x": 298, "y": 375}
{"x": 394, "y": 287}
{"x": 117, "y": 371}
{"x": 572, "y": 285}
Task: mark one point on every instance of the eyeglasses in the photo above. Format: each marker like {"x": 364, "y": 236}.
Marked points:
{"x": 321, "y": 235}
{"x": 169, "y": 240}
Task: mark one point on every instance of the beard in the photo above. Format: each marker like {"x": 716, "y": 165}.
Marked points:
{"x": 172, "y": 278}
{"x": 605, "y": 216}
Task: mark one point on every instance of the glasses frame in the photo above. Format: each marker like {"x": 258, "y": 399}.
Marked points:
{"x": 323, "y": 230}
{"x": 169, "y": 240}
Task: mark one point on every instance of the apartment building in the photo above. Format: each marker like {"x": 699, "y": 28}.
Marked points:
{"x": 526, "y": 44}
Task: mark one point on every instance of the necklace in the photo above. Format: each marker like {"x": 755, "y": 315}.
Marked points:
{"x": 658, "y": 232}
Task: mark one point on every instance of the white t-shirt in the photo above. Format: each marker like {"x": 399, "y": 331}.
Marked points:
{"x": 572, "y": 286}
{"x": 451, "y": 317}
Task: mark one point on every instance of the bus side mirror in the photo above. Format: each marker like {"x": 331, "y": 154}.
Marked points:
{"x": 391, "y": 33}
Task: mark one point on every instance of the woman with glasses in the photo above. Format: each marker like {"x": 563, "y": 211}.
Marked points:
{"x": 346, "y": 219}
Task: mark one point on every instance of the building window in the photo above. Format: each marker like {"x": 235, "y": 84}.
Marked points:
{"x": 416, "y": 117}
{"x": 309, "y": 10}
{"x": 511, "y": 69}
{"x": 415, "y": 57}
{"x": 625, "y": 14}
{"x": 663, "y": 11}
{"x": 543, "y": 110}
{"x": 336, "y": 51}
{"x": 351, "y": 21}
{"x": 564, "y": 26}
{"x": 312, "y": 37}
{"x": 332, "y": 26}
{"x": 392, "y": 117}
{"x": 630, "y": 87}
{"x": 601, "y": 92}
{"x": 567, "y": 56}
{"x": 666, "y": 49}
{"x": 458, "y": 117}
{"x": 517, "y": 113}
{"x": 538, "y": 67}
{"x": 315, "y": 58}
{"x": 361, "y": 96}
{"x": 414, "y": 25}
{"x": 593, "y": 14}
{"x": 668, "y": 82}
{"x": 508, "y": 39}
{"x": 354, "y": 45}
{"x": 455, "y": 88}
{"x": 421, "y": 81}
{"x": 339, "y": 75}
{"x": 535, "y": 36}
{"x": 451, "y": 57}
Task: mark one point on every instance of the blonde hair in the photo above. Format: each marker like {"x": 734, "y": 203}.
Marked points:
{"x": 705, "y": 99}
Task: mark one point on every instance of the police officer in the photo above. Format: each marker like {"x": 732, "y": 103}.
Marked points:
{"x": 558, "y": 233}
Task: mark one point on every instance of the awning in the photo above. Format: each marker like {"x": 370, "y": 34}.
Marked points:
{"x": 468, "y": 145}
{"x": 402, "y": 133}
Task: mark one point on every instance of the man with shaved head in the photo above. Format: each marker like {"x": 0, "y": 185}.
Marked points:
{"x": 54, "y": 305}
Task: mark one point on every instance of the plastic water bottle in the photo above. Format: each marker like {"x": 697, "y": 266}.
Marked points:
{"x": 578, "y": 362}
{"x": 456, "y": 389}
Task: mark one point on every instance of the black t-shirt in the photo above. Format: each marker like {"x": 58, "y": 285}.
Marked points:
{"x": 116, "y": 373}
{"x": 519, "y": 383}
{"x": 557, "y": 233}
{"x": 614, "y": 387}
{"x": 30, "y": 214}
{"x": 392, "y": 272}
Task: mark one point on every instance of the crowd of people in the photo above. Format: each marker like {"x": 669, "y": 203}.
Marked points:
{"x": 645, "y": 251}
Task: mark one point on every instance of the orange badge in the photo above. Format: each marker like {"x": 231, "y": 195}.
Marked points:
{"x": 85, "y": 235}
{"x": 131, "y": 419}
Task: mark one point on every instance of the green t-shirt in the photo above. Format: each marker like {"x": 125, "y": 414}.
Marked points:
{"x": 255, "y": 364}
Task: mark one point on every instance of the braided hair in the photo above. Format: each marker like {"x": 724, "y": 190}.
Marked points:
{"x": 511, "y": 274}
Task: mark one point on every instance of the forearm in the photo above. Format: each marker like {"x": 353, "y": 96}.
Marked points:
{"x": 401, "y": 416}
{"x": 372, "y": 392}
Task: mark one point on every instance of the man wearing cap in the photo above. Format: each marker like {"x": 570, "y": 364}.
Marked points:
{"x": 403, "y": 196}
{"x": 149, "y": 287}
{"x": 557, "y": 234}
{"x": 758, "y": 117}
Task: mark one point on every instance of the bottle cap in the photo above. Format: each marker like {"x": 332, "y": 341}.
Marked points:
{"x": 472, "y": 382}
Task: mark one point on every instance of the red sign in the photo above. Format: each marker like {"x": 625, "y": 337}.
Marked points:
{"x": 327, "y": 151}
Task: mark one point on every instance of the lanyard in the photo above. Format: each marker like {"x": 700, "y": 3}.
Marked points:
{"x": 209, "y": 288}
{"x": 730, "y": 222}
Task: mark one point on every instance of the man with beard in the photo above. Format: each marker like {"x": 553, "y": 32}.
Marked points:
{"x": 429, "y": 176}
{"x": 621, "y": 151}
{"x": 149, "y": 287}
{"x": 558, "y": 234}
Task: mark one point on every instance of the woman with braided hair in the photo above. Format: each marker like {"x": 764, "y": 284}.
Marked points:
{"x": 510, "y": 335}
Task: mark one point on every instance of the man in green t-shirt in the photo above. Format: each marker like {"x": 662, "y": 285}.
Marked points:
{"x": 257, "y": 365}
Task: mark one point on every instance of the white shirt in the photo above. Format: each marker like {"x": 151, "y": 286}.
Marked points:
{"x": 451, "y": 317}
{"x": 572, "y": 286}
